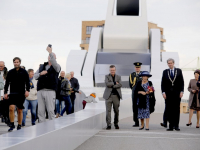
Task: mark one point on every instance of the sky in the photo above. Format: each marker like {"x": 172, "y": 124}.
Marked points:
{"x": 28, "y": 26}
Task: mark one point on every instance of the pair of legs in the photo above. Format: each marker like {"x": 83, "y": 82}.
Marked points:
{"x": 115, "y": 102}
{"x": 68, "y": 105}
{"x": 33, "y": 107}
{"x": 173, "y": 110}
{"x": 46, "y": 100}
{"x": 59, "y": 106}
{"x": 16, "y": 100}
{"x": 12, "y": 114}
{"x": 191, "y": 114}
{"x": 73, "y": 97}
{"x": 147, "y": 123}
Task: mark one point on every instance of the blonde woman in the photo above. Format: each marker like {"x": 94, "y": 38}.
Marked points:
{"x": 65, "y": 93}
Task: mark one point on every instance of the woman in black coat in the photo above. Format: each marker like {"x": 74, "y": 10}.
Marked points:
{"x": 144, "y": 95}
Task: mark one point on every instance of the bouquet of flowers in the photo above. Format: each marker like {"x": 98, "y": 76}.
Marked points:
{"x": 151, "y": 89}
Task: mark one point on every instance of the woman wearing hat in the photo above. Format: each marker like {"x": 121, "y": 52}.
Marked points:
{"x": 144, "y": 94}
{"x": 194, "y": 102}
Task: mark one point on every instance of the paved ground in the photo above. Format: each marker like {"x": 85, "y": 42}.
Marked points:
{"x": 4, "y": 128}
{"x": 157, "y": 138}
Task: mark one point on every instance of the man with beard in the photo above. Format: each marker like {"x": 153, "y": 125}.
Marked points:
{"x": 18, "y": 80}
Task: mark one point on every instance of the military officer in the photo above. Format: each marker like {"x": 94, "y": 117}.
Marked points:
{"x": 133, "y": 79}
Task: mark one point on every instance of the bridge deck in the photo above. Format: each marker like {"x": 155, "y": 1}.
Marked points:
{"x": 157, "y": 138}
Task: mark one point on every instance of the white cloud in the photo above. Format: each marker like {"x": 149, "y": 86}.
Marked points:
{"x": 13, "y": 23}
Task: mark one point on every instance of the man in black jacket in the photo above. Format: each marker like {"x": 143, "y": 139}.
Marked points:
{"x": 74, "y": 85}
{"x": 18, "y": 80}
{"x": 172, "y": 86}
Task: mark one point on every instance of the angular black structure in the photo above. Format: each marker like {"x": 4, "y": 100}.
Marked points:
{"x": 128, "y": 7}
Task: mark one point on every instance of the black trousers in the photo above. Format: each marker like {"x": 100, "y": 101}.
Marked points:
{"x": 165, "y": 115}
{"x": 173, "y": 108}
{"x": 73, "y": 97}
{"x": 135, "y": 108}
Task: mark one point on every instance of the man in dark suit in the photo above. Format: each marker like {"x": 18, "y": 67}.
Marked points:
{"x": 133, "y": 79}
{"x": 172, "y": 86}
{"x": 112, "y": 96}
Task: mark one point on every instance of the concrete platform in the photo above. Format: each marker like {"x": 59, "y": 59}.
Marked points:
{"x": 157, "y": 138}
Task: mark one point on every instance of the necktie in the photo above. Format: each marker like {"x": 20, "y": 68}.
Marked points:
{"x": 172, "y": 75}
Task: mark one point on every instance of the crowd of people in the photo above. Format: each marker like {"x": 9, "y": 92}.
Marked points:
{"x": 44, "y": 92}
{"x": 143, "y": 96}
{"x": 49, "y": 95}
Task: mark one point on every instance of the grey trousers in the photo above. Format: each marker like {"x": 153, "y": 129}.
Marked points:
{"x": 46, "y": 100}
{"x": 113, "y": 100}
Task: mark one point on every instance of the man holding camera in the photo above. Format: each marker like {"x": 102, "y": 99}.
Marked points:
{"x": 47, "y": 76}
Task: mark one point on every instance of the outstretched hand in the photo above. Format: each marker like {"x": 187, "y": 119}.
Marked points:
{"x": 49, "y": 49}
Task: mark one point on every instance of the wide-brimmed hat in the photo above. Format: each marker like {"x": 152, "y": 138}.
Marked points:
{"x": 145, "y": 73}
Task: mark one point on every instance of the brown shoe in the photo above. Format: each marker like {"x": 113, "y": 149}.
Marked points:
{"x": 57, "y": 115}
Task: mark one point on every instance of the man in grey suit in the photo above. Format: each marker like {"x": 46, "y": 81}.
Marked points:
{"x": 112, "y": 96}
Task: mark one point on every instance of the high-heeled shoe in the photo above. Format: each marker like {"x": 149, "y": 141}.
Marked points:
{"x": 197, "y": 126}
{"x": 141, "y": 128}
{"x": 189, "y": 124}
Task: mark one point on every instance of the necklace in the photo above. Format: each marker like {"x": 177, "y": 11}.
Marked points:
{"x": 174, "y": 78}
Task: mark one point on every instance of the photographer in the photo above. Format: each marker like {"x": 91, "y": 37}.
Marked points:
{"x": 47, "y": 76}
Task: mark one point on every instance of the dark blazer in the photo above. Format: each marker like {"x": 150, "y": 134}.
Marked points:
{"x": 110, "y": 85}
{"x": 166, "y": 84}
{"x": 198, "y": 85}
{"x": 142, "y": 98}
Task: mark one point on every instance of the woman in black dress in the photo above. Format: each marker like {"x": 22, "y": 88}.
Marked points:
{"x": 144, "y": 95}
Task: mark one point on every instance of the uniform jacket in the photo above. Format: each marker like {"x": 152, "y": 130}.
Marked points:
{"x": 110, "y": 85}
{"x": 133, "y": 79}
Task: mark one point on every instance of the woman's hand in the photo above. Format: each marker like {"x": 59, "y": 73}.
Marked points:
{"x": 194, "y": 91}
{"x": 141, "y": 92}
{"x": 147, "y": 92}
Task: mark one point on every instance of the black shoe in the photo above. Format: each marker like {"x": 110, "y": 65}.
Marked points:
{"x": 136, "y": 125}
{"x": 170, "y": 129}
{"x": 141, "y": 128}
{"x": 189, "y": 124}
{"x": 108, "y": 128}
{"x": 116, "y": 127}
{"x": 23, "y": 124}
{"x": 147, "y": 129}
{"x": 177, "y": 128}
{"x": 19, "y": 127}
{"x": 163, "y": 125}
{"x": 11, "y": 128}
{"x": 2, "y": 120}
{"x": 33, "y": 124}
